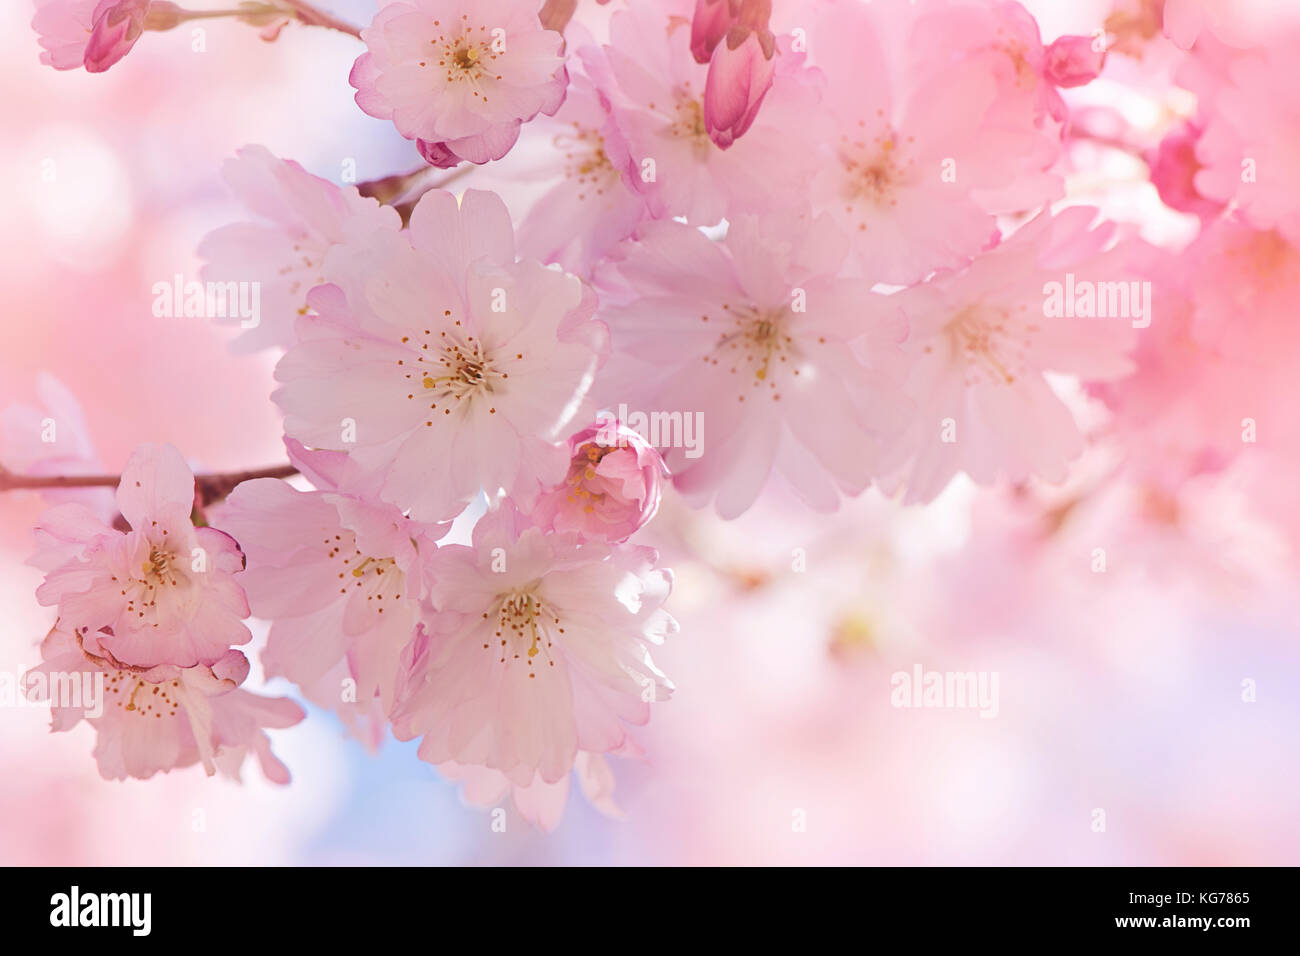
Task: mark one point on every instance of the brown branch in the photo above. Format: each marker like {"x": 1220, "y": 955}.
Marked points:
{"x": 403, "y": 190}
{"x": 213, "y": 487}
{"x": 556, "y": 14}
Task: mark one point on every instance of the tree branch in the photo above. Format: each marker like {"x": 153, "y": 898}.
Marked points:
{"x": 211, "y": 488}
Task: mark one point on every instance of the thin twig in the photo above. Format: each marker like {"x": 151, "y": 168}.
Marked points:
{"x": 212, "y": 487}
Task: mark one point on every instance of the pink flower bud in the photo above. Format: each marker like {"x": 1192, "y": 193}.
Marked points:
{"x": 437, "y": 154}
{"x": 117, "y": 25}
{"x": 709, "y": 25}
{"x": 1072, "y": 61}
{"x": 738, "y": 80}
{"x": 1173, "y": 172}
{"x": 612, "y": 489}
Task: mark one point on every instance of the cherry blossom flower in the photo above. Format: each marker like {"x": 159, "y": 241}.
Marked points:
{"x": 982, "y": 340}
{"x": 1249, "y": 148}
{"x": 1238, "y": 23}
{"x": 657, "y": 99}
{"x": 338, "y": 579}
{"x": 925, "y": 150}
{"x": 539, "y": 650}
{"x": 1179, "y": 414}
{"x": 165, "y": 591}
{"x": 761, "y": 338}
{"x": 54, "y": 439}
{"x": 64, "y": 28}
{"x": 459, "y": 76}
{"x": 302, "y": 217}
{"x": 443, "y": 366}
{"x": 590, "y": 209}
{"x": 612, "y": 488}
{"x": 157, "y": 719}
{"x": 1003, "y": 38}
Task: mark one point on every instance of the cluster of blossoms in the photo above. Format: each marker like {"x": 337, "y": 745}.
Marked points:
{"x": 829, "y": 230}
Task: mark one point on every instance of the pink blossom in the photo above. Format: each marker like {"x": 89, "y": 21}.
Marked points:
{"x": 1238, "y": 23}
{"x": 1233, "y": 270}
{"x": 1179, "y": 414}
{"x": 459, "y": 76}
{"x": 539, "y": 650}
{"x": 337, "y": 577}
{"x": 1250, "y": 146}
{"x": 762, "y": 339}
{"x": 1003, "y": 38}
{"x": 54, "y": 439}
{"x": 458, "y": 365}
{"x": 612, "y": 488}
{"x": 925, "y": 148}
{"x": 164, "y": 592}
{"x": 151, "y": 720}
{"x": 64, "y": 28}
{"x": 302, "y": 216}
{"x": 657, "y": 99}
{"x": 982, "y": 339}
{"x": 590, "y": 209}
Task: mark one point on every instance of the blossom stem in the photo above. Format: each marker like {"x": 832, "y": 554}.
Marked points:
{"x": 211, "y": 487}
{"x": 311, "y": 16}
{"x": 165, "y": 17}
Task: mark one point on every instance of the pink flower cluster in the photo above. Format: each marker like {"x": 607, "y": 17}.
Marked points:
{"x": 822, "y": 246}
{"x": 152, "y": 614}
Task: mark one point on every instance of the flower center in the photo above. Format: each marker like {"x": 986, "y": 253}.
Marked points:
{"x": 467, "y": 371}
{"x": 583, "y": 470}
{"x": 303, "y": 272}
{"x": 141, "y": 698}
{"x": 585, "y": 160}
{"x": 688, "y": 121}
{"x": 993, "y": 343}
{"x": 157, "y": 573}
{"x": 875, "y": 170}
{"x": 466, "y": 56}
{"x": 452, "y": 369}
{"x": 523, "y": 629}
{"x": 757, "y": 348}
{"x": 379, "y": 576}
{"x": 158, "y": 565}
